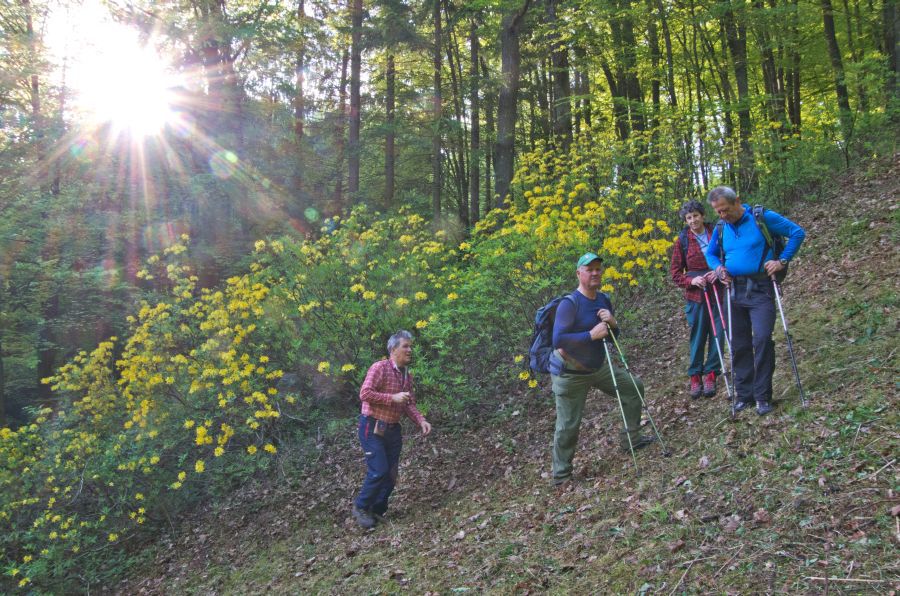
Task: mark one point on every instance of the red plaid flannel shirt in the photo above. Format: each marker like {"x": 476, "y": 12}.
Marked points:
{"x": 696, "y": 261}
{"x": 382, "y": 381}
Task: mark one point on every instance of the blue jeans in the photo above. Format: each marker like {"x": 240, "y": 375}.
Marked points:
{"x": 702, "y": 338}
{"x": 383, "y": 462}
{"x": 753, "y": 320}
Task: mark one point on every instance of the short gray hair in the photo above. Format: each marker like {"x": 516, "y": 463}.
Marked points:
{"x": 394, "y": 340}
{"x": 720, "y": 193}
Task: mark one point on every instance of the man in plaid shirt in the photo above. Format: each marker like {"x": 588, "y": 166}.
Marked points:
{"x": 386, "y": 394}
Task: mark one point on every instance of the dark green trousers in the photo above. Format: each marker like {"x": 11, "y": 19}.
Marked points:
{"x": 571, "y": 391}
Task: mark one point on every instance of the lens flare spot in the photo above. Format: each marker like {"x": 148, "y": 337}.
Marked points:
{"x": 223, "y": 164}
{"x": 311, "y": 214}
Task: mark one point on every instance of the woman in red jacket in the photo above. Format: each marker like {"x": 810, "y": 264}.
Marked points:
{"x": 690, "y": 272}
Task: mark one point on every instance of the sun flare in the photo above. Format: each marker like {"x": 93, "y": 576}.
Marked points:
{"x": 115, "y": 78}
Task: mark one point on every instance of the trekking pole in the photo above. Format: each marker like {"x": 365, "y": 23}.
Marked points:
{"x": 731, "y": 351}
{"x": 621, "y": 407}
{"x": 719, "y": 348}
{"x": 790, "y": 343}
{"x": 725, "y": 329}
{"x": 666, "y": 452}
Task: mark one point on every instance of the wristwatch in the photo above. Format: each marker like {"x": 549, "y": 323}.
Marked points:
{"x": 784, "y": 262}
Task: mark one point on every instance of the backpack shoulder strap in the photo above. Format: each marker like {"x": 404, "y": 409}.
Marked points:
{"x": 758, "y": 211}
{"x": 720, "y": 238}
{"x": 683, "y": 243}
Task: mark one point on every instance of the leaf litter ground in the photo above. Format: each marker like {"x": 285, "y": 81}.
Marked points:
{"x": 800, "y": 501}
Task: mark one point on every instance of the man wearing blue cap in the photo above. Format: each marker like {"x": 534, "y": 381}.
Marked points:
{"x": 578, "y": 362}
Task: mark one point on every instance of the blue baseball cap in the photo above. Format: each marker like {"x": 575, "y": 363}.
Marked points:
{"x": 586, "y": 259}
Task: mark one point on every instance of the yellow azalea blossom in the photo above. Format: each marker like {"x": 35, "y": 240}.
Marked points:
{"x": 218, "y": 452}
{"x": 348, "y": 367}
{"x": 199, "y": 466}
{"x": 189, "y": 424}
{"x": 533, "y": 383}
{"x": 182, "y": 475}
{"x": 452, "y": 296}
{"x": 112, "y": 537}
{"x": 251, "y": 449}
{"x": 368, "y": 295}
{"x": 519, "y": 358}
{"x": 324, "y": 367}
{"x": 421, "y": 324}
{"x": 270, "y": 448}
{"x": 524, "y": 375}
{"x": 401, "y": 302}
{"x": 421, "y": 296}
{"x": 263, "y": 359}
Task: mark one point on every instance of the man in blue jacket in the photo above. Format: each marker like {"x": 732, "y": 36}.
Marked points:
{"x": 744, "y": 261}
{"x": 583, "y": 321}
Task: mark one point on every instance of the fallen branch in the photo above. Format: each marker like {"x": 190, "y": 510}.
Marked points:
{"x": 850, "y": 579}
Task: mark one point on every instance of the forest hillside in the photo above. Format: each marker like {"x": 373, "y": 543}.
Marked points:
{"x": 802, "y": 501}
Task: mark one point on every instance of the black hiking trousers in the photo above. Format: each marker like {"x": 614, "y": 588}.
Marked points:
{"x": 752, "y": 323}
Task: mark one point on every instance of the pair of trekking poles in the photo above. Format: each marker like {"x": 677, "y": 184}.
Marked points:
{"x": 731, "y": 389}
{"x": 640, "y": 393}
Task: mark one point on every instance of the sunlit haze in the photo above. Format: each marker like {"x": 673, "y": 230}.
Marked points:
{"x": 111, "y": 77}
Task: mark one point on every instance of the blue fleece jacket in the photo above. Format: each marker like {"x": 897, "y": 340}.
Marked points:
{"x": 572, "y": 329}
{"x": 744, "y": 243}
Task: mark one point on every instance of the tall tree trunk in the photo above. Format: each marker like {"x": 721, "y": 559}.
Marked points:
{"x": 454, "y": 64}
{"x": 891, "y": 34}
{"x": 489, "y": 141}
{"x": 793, "y": 70}
{"x": 37, "y": 116}
{"x": 736, "y": 37}
{"x": 655, "y": 58}
{"x": 353, "y": 143}
{"x": 837, "y": 66}
{"x": 47, "y": 347}
{"x": 584, "y": 89}
{"x": 341, "y": 126}
{"x": 475, "y": 131}
{"x": 390, "y": 156}
{"x": 670, "y": 62}
{"x": 299, "y": 76}
{"x": 510, "y": 64}
{"x": 559, "y": 59}
{"x": 299, "y": 98}
{"x": 436, "y": 158}
{"x": 856, "y": 57}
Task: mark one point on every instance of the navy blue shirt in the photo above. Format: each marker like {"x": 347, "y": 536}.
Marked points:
{"x": 572, "y": 328}
{"x": 744, "y": 243}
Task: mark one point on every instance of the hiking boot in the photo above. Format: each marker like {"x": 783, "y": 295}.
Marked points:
{"x": 363, "y": 518}
{"x": 763, "y": 408}
{"x": 695, "y": 386}
{"x": 638, "y": 443}
{"x": 742, "y": 405}
{"x": 709, "y": 384}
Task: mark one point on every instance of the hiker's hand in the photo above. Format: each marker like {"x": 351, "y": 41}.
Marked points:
{"x": 699, "y": 281}
{"x": 600, "y": 330}
{"x": 723, "y": 275}
{"x": 607, "y": 317}
{"x": 710, "y": 277}
{"x": 426, "y": 427}
{"x": 773, "y": 267}
{"x": 401, "y": 398}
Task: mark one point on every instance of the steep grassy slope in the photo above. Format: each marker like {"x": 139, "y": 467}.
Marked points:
{"x": 801, "y": 501}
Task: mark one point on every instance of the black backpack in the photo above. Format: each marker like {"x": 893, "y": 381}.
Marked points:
{"x": 776, "y": 243}
{"x": 542, "y": 339}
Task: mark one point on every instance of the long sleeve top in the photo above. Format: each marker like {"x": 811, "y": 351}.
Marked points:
{"x": 382, "y": 381}
{"x": 744, "y": 243}
{"x": 572, "y": 329}
{"x": 696, "y": 261}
